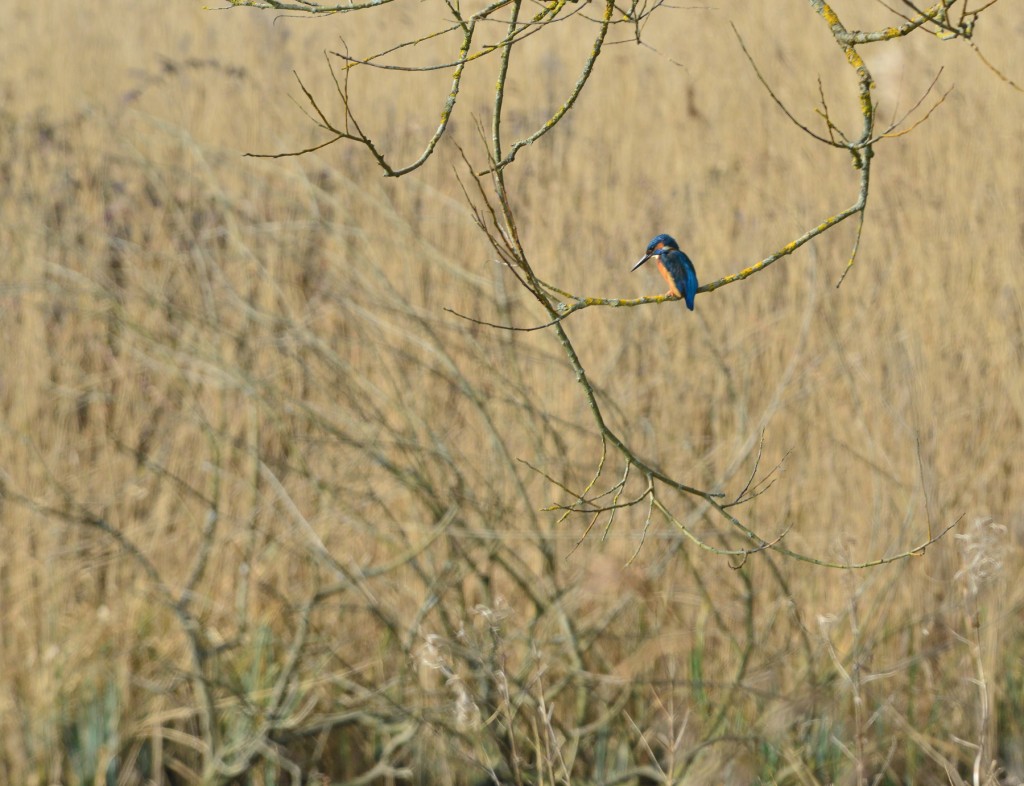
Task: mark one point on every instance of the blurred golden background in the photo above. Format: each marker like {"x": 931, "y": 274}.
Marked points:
{"x": 268, "y": 509}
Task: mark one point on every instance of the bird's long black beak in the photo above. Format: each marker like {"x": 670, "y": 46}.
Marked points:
{"x": 642, "y": 260}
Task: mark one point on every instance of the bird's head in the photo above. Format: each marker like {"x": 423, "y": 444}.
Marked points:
{"x": 658, "y": 246}
{"x": 662, "y": 243}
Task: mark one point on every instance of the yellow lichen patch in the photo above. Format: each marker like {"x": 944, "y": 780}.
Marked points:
{"x": 830, "y": 15}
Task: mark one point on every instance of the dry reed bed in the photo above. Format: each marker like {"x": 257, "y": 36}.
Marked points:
{"x": 190, "y": 331}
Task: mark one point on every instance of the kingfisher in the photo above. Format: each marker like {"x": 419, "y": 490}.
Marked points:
{"x": 675, "y": 267}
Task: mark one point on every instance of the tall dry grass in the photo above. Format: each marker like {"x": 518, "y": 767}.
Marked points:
{"x": 266, "y": 514}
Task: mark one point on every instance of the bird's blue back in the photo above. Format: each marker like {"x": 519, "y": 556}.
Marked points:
{"x": 684, "y": 276}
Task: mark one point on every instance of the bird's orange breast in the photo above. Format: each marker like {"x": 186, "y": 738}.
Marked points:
{"x": 668, "y": 278}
